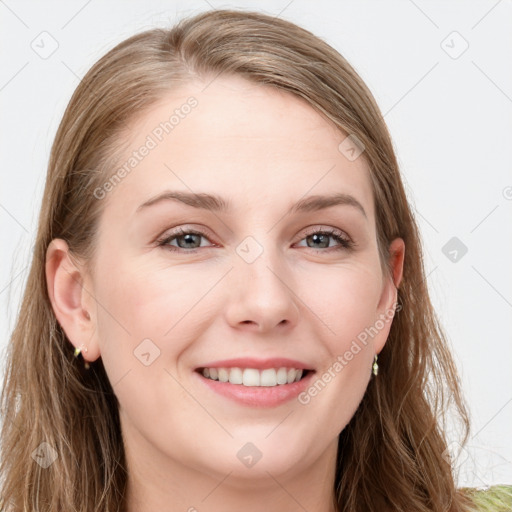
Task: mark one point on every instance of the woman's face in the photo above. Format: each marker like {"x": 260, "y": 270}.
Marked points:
{"x": 271, "y": 273}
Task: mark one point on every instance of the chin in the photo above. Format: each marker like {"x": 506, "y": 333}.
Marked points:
{"x": 254, "y": 456}
{"x": 278, "y": 466}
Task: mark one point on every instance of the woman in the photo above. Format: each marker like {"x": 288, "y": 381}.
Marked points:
{"x": 226, "y": 241}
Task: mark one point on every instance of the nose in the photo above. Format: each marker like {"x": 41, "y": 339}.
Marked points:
{"x": 261, "y": 295}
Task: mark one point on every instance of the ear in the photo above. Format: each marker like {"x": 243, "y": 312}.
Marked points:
{"x": 72, "y": 304}
{"x": 389, "y": 295}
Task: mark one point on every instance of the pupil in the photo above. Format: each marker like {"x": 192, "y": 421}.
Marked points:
{"x": 319, "y": 237}
{"x": 188, "y": 239}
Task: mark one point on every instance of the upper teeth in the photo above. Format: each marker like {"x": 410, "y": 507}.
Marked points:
{"x": 253, "y": 377}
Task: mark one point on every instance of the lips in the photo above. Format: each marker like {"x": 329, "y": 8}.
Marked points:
{"x": 256, "y": 382}
{"x": 255, "y": 372}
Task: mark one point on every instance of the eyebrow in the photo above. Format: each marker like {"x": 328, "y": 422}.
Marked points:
{"x": 219, "y": 204}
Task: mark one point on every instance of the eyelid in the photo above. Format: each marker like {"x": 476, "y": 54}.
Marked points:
{"x": 319, "y": 228}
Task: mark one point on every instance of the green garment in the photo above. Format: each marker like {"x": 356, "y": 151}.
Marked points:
{"x": 495, "y": 499}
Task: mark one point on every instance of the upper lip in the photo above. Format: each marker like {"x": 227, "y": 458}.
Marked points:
{"x": 258, "y": 364}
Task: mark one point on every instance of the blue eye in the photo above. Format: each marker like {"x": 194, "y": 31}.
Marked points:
{"x": 322, "y": 239}
{"x": 190, "y": 240}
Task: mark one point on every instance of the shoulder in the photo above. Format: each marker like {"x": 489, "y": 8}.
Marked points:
{"x": 493, "y": 499}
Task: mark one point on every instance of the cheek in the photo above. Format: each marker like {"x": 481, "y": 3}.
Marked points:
{"x": 346, "y": 302}
{"x": 146, "y": 321}
{"x": 345, "y": 299}
{"x": 164, "y": 305}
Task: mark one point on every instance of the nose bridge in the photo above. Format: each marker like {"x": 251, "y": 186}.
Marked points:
{"x": 260, "y": 265}
{"x": 264, "y": 293}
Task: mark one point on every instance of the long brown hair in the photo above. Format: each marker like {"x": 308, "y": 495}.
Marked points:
{"x": 392, "y": 454}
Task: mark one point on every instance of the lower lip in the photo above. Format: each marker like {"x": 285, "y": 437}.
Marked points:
{"x": 258, "y": 396}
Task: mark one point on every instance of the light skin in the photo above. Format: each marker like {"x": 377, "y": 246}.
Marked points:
{"x": 261, "y": 150}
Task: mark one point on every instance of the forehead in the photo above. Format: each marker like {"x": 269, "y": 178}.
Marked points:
{"x": 257, "y": 145}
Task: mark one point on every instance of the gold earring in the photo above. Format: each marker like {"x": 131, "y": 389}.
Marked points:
{"x": 77, "y": 352}
{"x": 375, "y": 366}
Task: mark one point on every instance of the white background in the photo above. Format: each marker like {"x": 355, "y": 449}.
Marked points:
{"x": 450, "y": 120}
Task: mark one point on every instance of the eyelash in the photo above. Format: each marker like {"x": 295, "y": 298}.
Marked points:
{"x": 344, "y": 243}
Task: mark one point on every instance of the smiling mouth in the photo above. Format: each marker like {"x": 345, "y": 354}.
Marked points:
{"x": 252, "y": 377}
